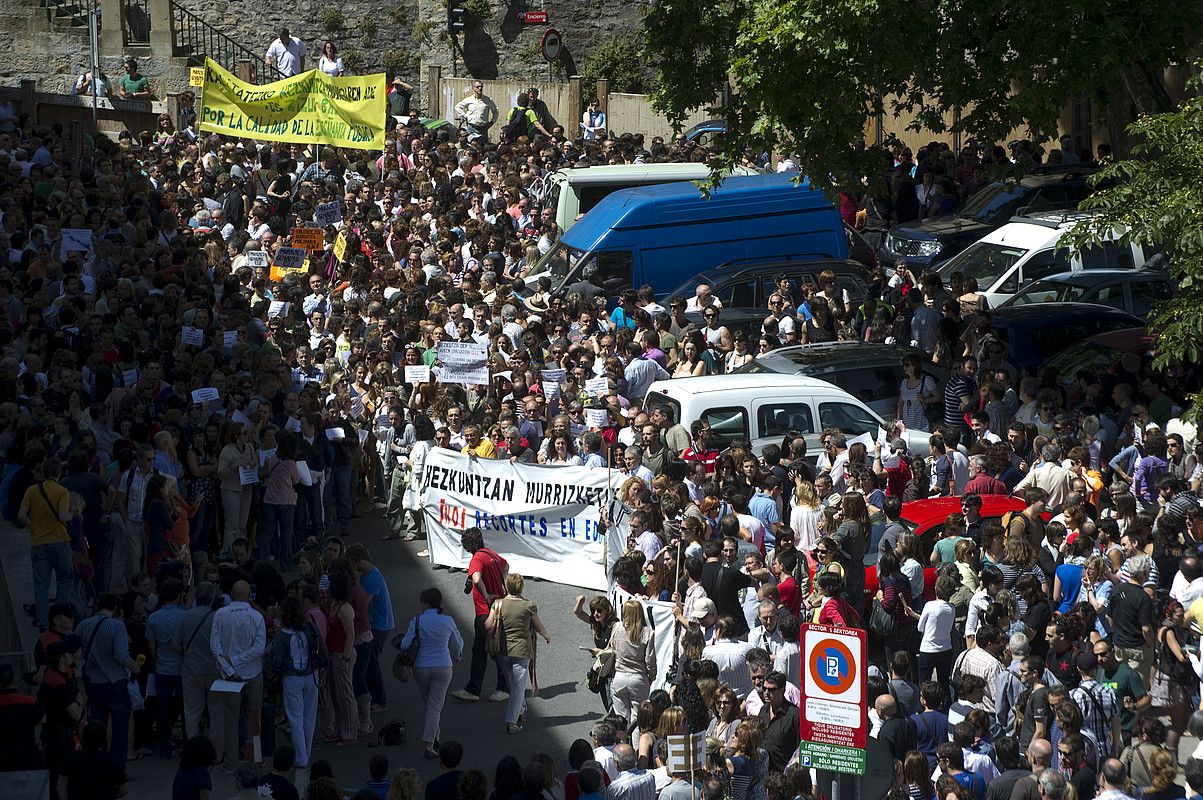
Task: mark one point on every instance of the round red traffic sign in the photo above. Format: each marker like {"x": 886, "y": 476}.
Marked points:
{"x": 551, "y": 44}
{"x": 832, "y": 666}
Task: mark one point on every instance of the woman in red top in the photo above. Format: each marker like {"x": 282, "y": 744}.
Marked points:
{"x": 835, "y": 609}
{"x": 340, "y": 642}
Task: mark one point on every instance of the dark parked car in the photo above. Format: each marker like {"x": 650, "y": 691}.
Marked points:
{"x": 1131, "y": 290}
{"x": 932, "y": 241}
{"x": 744, "y": 289}
{"x": 705, "y": 132}
{"x": 870, "y": 372}
{"x": 1035, "y": 333}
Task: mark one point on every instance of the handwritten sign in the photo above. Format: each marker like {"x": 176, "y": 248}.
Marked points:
{"x": 291, "y": 259}
{"x": 464, "y": 362}
{"x": 278, "y": 308}
{"x": 256, "y": 258}
{"x": 417, "y": 373}
{"x": 192, "y": 337}
{"x": 196, "y": 76}
{"x": 340, "y": 245}
{"x": 308, "y": 238}
{"x": 248, "y": 475}
{"x": 328, "y": 213}
{"x": 205, "y": 395}
{"x": 597, "y": 417}
{"x": 229, "y": 338}
{"x": 553, "y": 376}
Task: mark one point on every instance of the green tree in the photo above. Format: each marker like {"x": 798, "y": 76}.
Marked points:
{"x": 815, "y": 73}
{"x": 1156, "y": 197}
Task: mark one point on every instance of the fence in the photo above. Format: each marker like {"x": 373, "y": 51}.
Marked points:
{"x": 113, "y": 115}
{"x": 565, "y": 102}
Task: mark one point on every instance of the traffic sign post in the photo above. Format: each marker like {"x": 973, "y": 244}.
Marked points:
{"x": 834, "y": 728}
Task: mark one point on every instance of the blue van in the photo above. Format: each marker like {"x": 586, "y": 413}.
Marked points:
{"x": 664, "y": 235}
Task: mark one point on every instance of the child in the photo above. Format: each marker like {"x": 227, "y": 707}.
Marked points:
{"x": 378, "y": 772}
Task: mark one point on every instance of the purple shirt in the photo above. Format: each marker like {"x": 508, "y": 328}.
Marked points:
{"x": 649, "y": 544}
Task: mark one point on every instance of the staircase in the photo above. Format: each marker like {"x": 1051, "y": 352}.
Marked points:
{"x": 193, "y": 39}
{"x": 66, "y": 15}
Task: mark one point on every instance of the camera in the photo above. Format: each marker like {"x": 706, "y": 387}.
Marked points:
{"x": 467, "y": 586}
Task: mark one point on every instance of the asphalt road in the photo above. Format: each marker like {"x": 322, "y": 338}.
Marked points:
{"x": 563, "y": 710}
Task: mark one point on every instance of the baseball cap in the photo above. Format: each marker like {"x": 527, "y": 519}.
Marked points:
{"x": 702, "y": 609}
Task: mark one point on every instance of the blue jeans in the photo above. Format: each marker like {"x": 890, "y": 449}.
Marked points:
{"x": 275, "y": 534}
{"x": 102, "y": 558}
{"x": 372, "y": 676}
{"x": 344, "y": 493}
{"x": 46, "y": 558}
{"x": 111, "y": 700}
{"x": 202, "y": 526}
{"x": 169, "y": 694}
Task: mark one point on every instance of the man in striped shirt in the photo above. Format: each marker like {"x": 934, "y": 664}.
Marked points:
{"x": 106, "y": 669}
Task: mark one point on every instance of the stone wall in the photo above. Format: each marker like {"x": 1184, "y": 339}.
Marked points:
{"x": 53, "y": 55}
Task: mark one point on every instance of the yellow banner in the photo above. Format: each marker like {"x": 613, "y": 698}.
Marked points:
{"x": 310, "y": 107}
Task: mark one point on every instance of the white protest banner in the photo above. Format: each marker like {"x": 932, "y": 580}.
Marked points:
{"x": 418, "y": 373}
{"x": 464, "y": 362}
{"x": 596, "y": 387}
{"x": 256, "y": 258}
{"x": 328, "y": 213}
{"x": 248, "y": 475}
{"x": 206, "y": 395}
{"x": 75, "y": 240}
{"x": 659, "y": 615}
{"x": 193, "y": 337}
{"x": 543, "y": 519}
{"x": 278, "y": 308}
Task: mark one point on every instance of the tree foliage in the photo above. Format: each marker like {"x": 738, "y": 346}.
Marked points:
{"x": 815, "y": 73}
{"x": 1157, "y": 198}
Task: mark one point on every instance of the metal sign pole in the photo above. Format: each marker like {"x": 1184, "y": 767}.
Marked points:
{"x": 94, "y": 41}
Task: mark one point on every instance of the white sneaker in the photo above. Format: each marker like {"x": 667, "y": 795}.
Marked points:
{"x": 464, "y": 694}
{"x": 499, "y": 696}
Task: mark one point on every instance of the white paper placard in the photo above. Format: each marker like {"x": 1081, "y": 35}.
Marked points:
{"x": 248, "y": 475}
{"x": 554, "y": 376}
{"x": 363, "y": 435}
{"x": 75, "y": 240}
{"x": 193, "y": 337}
{"x": 335, "y": 434}
{"x": 597, "y": 417}
{"x": 256, "y": 258}
{"x": 238, "y": 416}
{"x": 129, "y": 377}
{"x": 303, "y": 473}
{"x": 597, "y": 387}
{"x": 228, "y": 687}
{"x": 293, "y": 424}
{"x": 229, "y": 338}
{"x": 278, "y": 308}
{"x": 205, "y": 395}
{"x": 464, "y": 362}
{"x": 551, "y": 390}
{"x": 576, "y": 429}
{"x": 417, "y": 373}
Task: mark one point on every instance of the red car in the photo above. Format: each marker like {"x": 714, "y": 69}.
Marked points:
{"x": 925, "y": 519}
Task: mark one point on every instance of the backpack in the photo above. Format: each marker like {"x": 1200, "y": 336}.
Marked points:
{"x": 517, "y": 124}
{"x": 281, "y": 654}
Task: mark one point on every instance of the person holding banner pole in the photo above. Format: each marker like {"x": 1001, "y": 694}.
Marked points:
{"x": 487, "y": 572}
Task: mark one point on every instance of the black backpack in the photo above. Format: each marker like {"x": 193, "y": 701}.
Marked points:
{"x": 281, "y": 662}
{"x": 517, "y": 124}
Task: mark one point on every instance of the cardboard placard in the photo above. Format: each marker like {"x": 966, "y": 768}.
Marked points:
{"x": 328, "y": 213}
{"x": 196, "y": 76}
{"x": 291, "y": 259}
{"x": 686, "y": 753}
{"x": 340, "y": 245}
{"x": 415, "y": 373}
{"x": 308, "y": 238}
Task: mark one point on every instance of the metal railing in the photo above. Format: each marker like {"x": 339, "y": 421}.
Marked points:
{"x": 135, "y": 22}
{"x": 192, "y": 36}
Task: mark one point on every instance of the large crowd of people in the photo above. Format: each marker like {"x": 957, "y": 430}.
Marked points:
{"x": 189, "y": 436}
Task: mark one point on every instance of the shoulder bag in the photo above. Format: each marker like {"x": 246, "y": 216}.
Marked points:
{"x": 495, "y": 636}
{"x": 403, "y": 664}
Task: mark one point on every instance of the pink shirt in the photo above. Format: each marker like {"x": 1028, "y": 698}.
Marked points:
{"x": 281, "y": 477}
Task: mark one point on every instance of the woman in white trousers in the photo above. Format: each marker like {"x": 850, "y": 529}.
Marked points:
{"x": 290, "y": 656}
{"x": 439, "y": 646}
{"x": 634, "y": 643}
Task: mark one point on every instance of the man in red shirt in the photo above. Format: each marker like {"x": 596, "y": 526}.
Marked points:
{"x": 701, "y": 450}
{"x": 486, "y": 582}
{"x": 893, "y": 466}
{"x": 981, "y": 481}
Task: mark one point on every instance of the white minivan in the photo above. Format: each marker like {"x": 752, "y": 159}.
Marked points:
{"x": 1026, "y": 249}
{"x": 575, "y": 190}
{"x": 763, "y": 408}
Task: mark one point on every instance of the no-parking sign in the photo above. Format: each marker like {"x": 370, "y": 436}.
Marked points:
{"x": 834, "y": 728}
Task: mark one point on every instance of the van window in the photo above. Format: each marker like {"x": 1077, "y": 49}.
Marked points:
{"x": 665, "y": 403}
{"x": 726, "y": 424}
{"x": 867, "y": 385}
{"x": 1112, "y": 295}
{"x": 553, "y": 195}
{"x": 738, "y": 294}
{"x": 1108, "y": 255}
{"x": 1045, "y": 263}
{"x": 778, "y": 419}
{"x": 614, "y": 268}
{"x": 590, "y": 194}
{"x": 846, "y": 417}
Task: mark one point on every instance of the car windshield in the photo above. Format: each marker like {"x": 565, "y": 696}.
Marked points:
{"x": 1079, "y": 356}
{"x": 994, "y": 203}
{"x": 984, "y": 262}
{"x": 561, "y": 261}
{"x": 1048, "y": 292}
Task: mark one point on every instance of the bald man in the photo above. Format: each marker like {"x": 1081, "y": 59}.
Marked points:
{"x": 1040, "y": 758}
{"x": 898, "y": 734}
{"x": 239, "y": 638}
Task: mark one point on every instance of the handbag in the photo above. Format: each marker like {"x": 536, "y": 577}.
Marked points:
{"x": 495, "y": 640}
{"x": 403, "y": 664}
{"x": 1180, "y": 672}
{"x": 881, "y": 622}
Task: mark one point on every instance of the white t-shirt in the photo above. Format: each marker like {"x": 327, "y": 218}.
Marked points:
{"x": 287, "y": 57}
{"x": 935, "y": 627}
{"x": 332, "y": 68}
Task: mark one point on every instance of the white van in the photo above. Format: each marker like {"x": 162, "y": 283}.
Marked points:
{"x": 1026, "y": 249}
{"x": 575, "y": 190}
{"x": 763, "y": 408}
